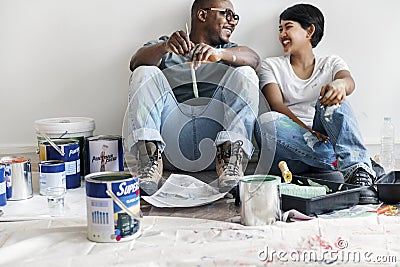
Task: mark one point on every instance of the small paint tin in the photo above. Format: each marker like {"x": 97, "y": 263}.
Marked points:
{"x": 3, "y": 188}
{"x": 18, "y": 176}
{"x": 51, "y": 174}
{"x": 113, "y": 206}
{"x": 260, "y": 199}
{"x": 69, "y": 153}
{"x": 105, "y": 153}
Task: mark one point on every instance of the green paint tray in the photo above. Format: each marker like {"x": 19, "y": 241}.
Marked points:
{"x": 339, "y": 196}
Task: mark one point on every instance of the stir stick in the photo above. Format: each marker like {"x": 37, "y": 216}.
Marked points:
{"x": 193, "y": 73}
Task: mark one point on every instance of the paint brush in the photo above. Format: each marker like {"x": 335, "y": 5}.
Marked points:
{"x": 192, "y": 72}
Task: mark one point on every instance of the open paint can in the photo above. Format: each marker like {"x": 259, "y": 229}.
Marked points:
{"x": 260, "y": 201}
{"x": 113, "y": 206}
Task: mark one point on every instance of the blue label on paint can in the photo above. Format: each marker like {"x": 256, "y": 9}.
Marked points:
{"x": 70, "y": 148}
{"x": 3, "y": 189}
{"x": 109, "y": 213}
{"x": 52, "y": 166}
{"x": 51, "y": 174}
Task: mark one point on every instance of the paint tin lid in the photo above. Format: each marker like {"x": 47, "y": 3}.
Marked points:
{"x": 73, "y": 126}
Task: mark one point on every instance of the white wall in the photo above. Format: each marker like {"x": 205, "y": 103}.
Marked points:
{"x": 70, "y": 58}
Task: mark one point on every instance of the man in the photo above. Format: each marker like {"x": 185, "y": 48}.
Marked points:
{"x": 167, "y": 118}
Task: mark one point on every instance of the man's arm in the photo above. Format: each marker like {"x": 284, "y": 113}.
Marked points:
{"x": 241, "y": 56}
{"x": 151, "y": 55}
{"x": 148, "y": 55}
{"x": 235, "y": 56}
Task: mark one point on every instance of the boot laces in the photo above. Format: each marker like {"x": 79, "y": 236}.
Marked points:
{"x": 232, "y": 167}
{"x": 148, "y": 169}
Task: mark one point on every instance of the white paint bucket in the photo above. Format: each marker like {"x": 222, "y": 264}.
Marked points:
{"x": 77, "y": 128}
{"x": 260, "y": 201}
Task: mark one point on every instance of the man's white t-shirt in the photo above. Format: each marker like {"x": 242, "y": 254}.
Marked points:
{"x": 300, "y": 96}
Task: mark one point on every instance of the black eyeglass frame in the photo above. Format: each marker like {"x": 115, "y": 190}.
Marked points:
{"x": 229, "y": 14}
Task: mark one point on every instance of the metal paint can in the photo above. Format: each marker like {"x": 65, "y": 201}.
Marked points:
{"x": 19, "y": 177}
{"x": 51, "y": 174}
{"x": 7, "y": 176}
{"x": 69, "y": 153}
{"x": 113, "y": 206}
{"x": 260, "y": 200}
{"x": 3, "y": 188}
{"x": 105, "y": 153}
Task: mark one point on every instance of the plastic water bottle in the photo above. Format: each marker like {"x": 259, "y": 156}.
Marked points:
{"x": 387, "y": 145}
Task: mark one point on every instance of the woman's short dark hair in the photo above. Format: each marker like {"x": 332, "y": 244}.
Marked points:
{"x": 306, "y": 15}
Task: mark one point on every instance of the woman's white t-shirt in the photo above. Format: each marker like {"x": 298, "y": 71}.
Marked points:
{"x": 300, "y": 96}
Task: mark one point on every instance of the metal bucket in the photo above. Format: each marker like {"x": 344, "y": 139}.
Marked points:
{"x": 260, "y": 201}
{"x": 19, "y": 169}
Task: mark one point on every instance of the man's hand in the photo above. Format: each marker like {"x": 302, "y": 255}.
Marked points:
{"x": 179, "y": 43}
{"x": 203, "y": 52}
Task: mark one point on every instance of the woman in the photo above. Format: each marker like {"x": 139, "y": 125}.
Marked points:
{"x": 311, "y": 122}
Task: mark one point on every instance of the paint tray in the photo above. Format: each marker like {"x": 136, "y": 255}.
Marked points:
{"x": 339, "y": 196}
{"x": 389, "y": 187}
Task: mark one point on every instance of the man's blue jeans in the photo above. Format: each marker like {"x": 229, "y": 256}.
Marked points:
{"x": 303, "y": 152}
{"x": 188, "y": 133}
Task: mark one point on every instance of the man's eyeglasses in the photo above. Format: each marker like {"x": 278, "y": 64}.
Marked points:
{"x": 229, "y": 15}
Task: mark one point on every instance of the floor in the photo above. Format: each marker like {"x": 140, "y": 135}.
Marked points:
{"x": 222, "y": 210}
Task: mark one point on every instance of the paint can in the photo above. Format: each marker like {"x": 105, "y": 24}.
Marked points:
{"x": 7, "y": 176}
{"x": 76, "y": 128}
{"x": 105, "y": 153}
{"x": 3, "y": 188}
{"x": 113, "y": 206}
{"x": 18, "y": 172}
{"x": 260, "y": 199}
{"x": 51, "y": 174}
{"x": 66, "y": 150}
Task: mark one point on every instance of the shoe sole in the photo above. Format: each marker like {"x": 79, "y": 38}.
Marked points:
{"x": 149, "y": 188}
{"x": 368, "y": 200}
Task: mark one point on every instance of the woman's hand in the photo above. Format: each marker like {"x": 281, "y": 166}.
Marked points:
{"x": 333, "y": 93}
{"x": 321, "y": 137}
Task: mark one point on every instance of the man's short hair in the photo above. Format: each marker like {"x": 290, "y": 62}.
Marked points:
{"x": 197, "y": 4}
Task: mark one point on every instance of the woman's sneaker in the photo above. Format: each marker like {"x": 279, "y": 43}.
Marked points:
{"x": 368, "y": 194}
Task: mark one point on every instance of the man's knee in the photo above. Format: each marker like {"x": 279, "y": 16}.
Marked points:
{"x": 247, "y": 72}
{"x": 142, "y": 72}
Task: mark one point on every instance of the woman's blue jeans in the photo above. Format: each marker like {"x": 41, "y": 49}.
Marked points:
{"x": 283, "y": 139}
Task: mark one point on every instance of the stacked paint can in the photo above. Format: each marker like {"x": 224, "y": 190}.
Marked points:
{"x": 66, "y": 150}
{"x": 51, "y": 174}
{"x": 104, "y": 153}
{"x": 76, "y": 128}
